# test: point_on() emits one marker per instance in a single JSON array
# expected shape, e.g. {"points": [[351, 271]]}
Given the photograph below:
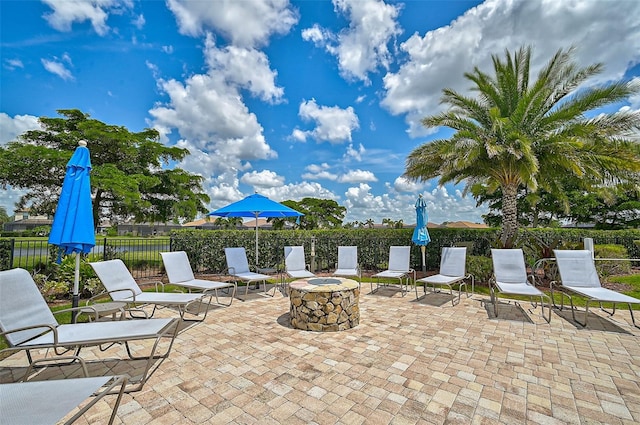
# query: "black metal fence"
{"points": [[141, 255]]}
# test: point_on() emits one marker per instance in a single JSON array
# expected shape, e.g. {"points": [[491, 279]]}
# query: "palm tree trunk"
{"points": [[509, 214]]}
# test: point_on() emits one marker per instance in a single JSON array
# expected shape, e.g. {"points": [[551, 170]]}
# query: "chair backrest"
{"points": [[577, 268], [22, 305], [508, 265], [588, 245], [453, 261], [294, 258], [177, 266], [348, 257], [237, 260], [115, 277], [399, 258]]}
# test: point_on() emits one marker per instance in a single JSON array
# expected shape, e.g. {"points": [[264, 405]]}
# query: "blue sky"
{"points": [[291, 99]]}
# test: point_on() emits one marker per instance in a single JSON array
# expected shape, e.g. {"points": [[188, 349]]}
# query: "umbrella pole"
{"points": [[257, 240], [424, 263], [76, 286]]}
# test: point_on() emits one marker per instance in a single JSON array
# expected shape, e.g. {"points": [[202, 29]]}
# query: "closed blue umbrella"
{"points": [[256, 206], [73, 228], [420, 233]]}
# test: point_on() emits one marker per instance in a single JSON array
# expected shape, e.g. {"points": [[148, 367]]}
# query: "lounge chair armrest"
{"points": [[133, 294], [96, 297], [50, 328]]}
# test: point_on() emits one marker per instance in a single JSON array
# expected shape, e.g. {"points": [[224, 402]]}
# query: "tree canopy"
{"points": [[318, 214], [128, 180], [520, 133]]}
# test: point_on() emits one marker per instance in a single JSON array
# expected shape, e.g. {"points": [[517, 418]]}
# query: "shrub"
{"points": [[92, 286], [480, 267], [609, 268], [55, 289]]}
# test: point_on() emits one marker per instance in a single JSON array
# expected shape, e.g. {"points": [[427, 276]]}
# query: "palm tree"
{"points": [[521, 134]]}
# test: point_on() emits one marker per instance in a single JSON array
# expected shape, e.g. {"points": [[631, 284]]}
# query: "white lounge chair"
{"points": [[180, 273], [578, 275], [510, 278], [28, 325], [121, 286], [399, 259], [348, 263], [47, 402], [452, 271], [294, 263], [238, 267]]}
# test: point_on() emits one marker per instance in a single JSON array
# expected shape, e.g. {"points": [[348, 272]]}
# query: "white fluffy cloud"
{"points": [[13, 64], [355, 153], [362, 47], [333, 124], [262, 179], [58, 66], [441, 205], [13, 127], [635, 100], [66, 13], [439, 58], [319, 172], [357, 176], [208, 110], [10, 129], [299, 191], [245, 24], [402, 184]]}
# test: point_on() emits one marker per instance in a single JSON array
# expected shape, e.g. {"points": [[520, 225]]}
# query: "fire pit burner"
{"points": [[324, 281]]}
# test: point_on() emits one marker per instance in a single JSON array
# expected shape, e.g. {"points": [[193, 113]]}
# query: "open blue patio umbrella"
{"points": [[420, 233], [256, 206], [73, 228]]}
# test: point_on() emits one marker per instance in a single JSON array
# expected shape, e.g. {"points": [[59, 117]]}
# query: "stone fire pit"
{"points": [[324, 304]]}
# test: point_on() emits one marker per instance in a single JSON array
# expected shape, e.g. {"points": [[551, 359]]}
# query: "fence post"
{"points": [[313, 255], [13, 246], [104, 249]]}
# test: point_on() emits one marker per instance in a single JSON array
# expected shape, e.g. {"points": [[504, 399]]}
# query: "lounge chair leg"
{"points": [[586, 313], [494, 299], [633, 320]]}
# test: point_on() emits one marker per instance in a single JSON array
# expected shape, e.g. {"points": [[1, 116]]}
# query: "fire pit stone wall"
{"points": [[324, 305]]}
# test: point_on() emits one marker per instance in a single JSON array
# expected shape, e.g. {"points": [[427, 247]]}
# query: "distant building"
{"points": [[146, 229], [465, 225], [23, 221]]}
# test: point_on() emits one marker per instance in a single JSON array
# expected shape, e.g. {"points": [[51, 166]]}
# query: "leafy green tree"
{"points": [[127, 178], [614, 207], [520, 133], [228, 222], [606, 207], [4, 218], [318, 214]]}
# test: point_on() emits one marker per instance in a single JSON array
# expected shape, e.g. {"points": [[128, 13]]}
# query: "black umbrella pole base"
{"points": [[74, 304]]}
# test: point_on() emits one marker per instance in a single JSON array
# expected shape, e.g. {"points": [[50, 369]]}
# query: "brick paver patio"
{"points": [[408, 362]]}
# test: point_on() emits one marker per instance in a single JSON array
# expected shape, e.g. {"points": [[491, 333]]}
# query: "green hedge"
{"points": [[206, 247]]}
